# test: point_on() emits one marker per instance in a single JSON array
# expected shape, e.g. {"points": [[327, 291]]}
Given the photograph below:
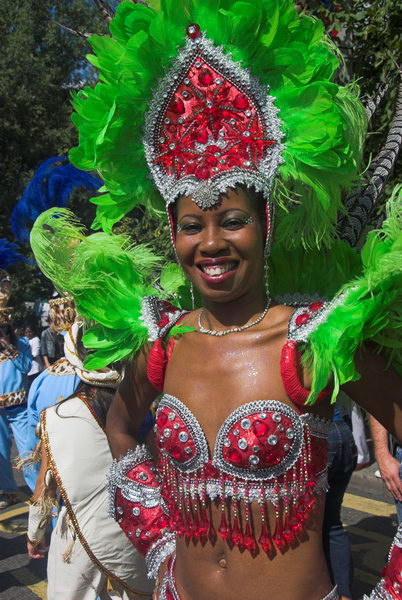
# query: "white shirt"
{"points": [[37, 365]]}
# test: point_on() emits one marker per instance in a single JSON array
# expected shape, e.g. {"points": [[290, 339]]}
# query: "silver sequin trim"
{"points": [[151, 312], [301, 333], [169, 186], [131, 490], [379, 593], [158, 552]]}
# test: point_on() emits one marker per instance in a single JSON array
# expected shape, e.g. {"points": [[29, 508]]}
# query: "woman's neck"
{"points": [[236, 313]]}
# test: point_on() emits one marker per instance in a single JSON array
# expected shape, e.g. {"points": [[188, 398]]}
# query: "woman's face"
{"points": [[28, 333], [222, 249]]}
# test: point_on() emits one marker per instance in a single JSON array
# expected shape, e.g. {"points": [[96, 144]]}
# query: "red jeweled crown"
{"points": [[210, 126]]}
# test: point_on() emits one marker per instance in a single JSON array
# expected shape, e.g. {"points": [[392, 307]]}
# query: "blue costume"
{"points": [[13, 413]]}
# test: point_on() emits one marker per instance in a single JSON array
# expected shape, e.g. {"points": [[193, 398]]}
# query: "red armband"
{"points": [[137, 506]]}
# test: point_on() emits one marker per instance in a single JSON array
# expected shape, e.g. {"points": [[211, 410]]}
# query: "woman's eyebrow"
{"points": [[198, 217]]}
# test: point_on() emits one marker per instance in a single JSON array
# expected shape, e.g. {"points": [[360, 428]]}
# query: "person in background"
{"points": [[388, 455], [37, 364], [342, 459], [15, 363], [50, 345]]}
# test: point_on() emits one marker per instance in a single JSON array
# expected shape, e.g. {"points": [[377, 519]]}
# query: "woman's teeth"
{"points": [[218, 270]]}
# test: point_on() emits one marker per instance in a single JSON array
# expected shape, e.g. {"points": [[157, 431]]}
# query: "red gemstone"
{"points": [[249, 540], [202, 172], [177, 106], [175, 452], [205, 77], [316, 305], [193, 31], [237, 535], [264, 540], [223, 527], [161, 419], [202, 136], [241, 102], [234, 456], [260, 428], [212, 534], [302, 319]]}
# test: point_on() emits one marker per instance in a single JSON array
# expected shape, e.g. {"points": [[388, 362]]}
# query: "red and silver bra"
{"points": [[264, 451]]}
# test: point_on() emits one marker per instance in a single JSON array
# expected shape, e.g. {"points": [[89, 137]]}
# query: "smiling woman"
{"points": [[231, 502]]}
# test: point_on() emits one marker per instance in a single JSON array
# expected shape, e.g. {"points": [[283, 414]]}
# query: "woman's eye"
{"points": [[234, 223], [190, 228]]}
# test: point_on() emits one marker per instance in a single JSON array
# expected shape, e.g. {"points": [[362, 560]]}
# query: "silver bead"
{"points": [[218, 81], [246, 133], [272, 440], [226, 442], [198, 64], [263, 415], [167, 121], [185, 94], [136, 511], [253, 460], [276, 417], [183, 436], [176, 426], [130, 534], [256, 448], [290, 434], [187, 81], [180, 120], [137, 532], [242, 444], [143, 476], [119, 510], [215, 169], [210, 104], [286, 447], [172, 146], [167, 432], [187, 450], [236, 432], [245, 423], [232, 121], [281, 428], [217, 154], [161, 139], [248, 113], [247, 163]]}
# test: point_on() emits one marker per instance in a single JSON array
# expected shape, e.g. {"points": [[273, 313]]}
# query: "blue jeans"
{"points": [[342, 458], [14, 422], [398, 456]]}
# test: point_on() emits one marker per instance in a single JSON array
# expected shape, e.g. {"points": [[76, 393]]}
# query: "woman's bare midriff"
{"points": [[217, 572]]}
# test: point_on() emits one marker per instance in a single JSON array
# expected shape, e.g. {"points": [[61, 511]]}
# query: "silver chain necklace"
{"points": [[203, 329]]}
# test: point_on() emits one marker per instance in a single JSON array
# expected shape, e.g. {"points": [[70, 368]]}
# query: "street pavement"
{"points": [[368, 513]]}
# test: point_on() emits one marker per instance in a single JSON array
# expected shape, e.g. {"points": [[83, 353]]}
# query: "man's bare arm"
{"points": [[388, 465]]}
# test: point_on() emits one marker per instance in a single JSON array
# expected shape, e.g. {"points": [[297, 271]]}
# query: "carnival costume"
{"points": [[15, 363], [206, 96], [86, 546]]}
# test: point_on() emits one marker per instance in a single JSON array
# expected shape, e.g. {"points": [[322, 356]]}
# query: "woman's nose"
{"points": [[212, 241]]}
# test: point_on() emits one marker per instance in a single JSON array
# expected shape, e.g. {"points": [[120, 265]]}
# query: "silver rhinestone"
{"points": [[246, 133], [180, 120], [130, 534], [286, 447], [210, 104], [172, 146], [256, 448], [167, 121], [161, 440], [222, 133], [176, 426], [136, 511], [232, 121], [281, 428], [248, 113], [119, 521], [236, 432], [263, 415], [185, 94], [253, 460], [226, 442], [272, 440], [218, 81], [276, 417], [137, 532], [242, 444], [215, 169], [186, 81], [217, 154], [165, 95], [148, 533], [245, 423], [247, 163], [198, 64], [119, 510], [183, 436], [187, 450], [290, 434], [143, 476], [222, 161], [161, 139], [155, 428], [167, 432]]}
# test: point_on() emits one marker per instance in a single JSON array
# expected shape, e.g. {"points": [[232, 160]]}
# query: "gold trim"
{"points": [[8, 354], [12, 399], [72, 516]]}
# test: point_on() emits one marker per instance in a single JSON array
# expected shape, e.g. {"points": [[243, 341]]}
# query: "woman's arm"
{"points": [[379, 391], [129, 408]]}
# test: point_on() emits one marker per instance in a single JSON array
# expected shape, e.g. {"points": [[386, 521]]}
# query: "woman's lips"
{"points": [[215, 273]]}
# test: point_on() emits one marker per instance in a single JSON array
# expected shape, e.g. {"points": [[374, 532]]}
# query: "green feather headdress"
{"points": [[323, 124]]}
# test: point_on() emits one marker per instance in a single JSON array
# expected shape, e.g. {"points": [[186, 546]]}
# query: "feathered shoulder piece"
{"points": [[367, 308], [109, 280]]}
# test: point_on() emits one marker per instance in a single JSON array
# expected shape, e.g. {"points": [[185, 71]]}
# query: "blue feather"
{"points": [[51, 185], [9, 254]]}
